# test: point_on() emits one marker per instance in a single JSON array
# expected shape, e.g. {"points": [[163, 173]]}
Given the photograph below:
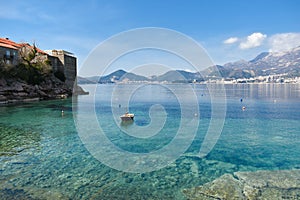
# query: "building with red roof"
{"points": [[62, 62], [9, 51]]}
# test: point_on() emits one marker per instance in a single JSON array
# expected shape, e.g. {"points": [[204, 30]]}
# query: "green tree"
{"points": [[34, 65]]}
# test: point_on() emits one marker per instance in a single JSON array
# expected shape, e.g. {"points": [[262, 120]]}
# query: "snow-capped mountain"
{"points": [[269, 63]]}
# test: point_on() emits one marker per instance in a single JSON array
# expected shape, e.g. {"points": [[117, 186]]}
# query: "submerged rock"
{"points": [[14, 194], [283, 184], [225, 187], [270, 184]]}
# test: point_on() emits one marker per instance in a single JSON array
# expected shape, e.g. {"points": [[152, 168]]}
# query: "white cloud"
{"points": [[278, 42], [284, 41], [231, 40], [253, 40]]}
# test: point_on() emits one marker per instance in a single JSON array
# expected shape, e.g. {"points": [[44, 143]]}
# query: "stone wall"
{"points": [[67, 62], [56, 64], [70, 70]]}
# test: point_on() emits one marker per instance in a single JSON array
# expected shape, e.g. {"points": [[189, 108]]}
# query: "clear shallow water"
{"points": [[42, 156]]}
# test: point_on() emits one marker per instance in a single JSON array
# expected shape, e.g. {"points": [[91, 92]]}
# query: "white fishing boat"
{"points": [[127, 117]]}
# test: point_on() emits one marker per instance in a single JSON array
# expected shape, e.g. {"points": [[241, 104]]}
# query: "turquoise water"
{"points": [[43, 157]]}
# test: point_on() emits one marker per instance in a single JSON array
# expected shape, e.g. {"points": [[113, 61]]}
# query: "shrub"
{"points": [[30, 75]]}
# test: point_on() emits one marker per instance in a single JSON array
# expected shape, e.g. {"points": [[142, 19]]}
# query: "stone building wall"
{"points": [[70, 69], [66, 62], [56, 64]]}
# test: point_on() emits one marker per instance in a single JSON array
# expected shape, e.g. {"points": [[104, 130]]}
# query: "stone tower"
{"points": [[67, 62]]}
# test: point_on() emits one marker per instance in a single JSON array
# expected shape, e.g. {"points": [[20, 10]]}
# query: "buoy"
{"points": [[241, 100], [243, 108]]}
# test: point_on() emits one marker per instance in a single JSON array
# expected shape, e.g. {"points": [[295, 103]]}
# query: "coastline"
{"points": [[17, 91], [197, 83], [13, 91]]}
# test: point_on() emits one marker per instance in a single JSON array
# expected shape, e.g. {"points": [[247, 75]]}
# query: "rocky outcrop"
{"points": [[250, 186], [13, 90]]}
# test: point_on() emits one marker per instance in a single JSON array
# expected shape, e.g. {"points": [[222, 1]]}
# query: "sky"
{"points": [[228, 30]]}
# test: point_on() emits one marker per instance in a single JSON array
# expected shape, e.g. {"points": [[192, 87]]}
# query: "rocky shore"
{"points": [[283, 184], [16, 91]]}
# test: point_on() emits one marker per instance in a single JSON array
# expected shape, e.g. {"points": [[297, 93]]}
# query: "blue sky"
{"points": [[229, 30]]}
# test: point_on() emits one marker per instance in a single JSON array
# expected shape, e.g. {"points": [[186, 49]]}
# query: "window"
{"points": [[7, 57]]}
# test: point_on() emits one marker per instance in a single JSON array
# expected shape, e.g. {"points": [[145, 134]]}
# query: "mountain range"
{"points": [[285, 63]]}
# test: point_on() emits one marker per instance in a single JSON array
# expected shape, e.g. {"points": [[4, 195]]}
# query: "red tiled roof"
{"points": [[8, 46], [5, 42]]}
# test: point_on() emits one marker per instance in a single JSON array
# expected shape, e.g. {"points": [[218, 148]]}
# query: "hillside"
{"points": [[272, 63], [285, 63], [120, 75]]}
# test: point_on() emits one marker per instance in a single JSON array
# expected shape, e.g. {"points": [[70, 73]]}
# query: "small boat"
{"points": [[127, 117]]}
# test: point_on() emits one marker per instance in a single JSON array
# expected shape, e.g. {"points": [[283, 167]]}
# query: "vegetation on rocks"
{"points": [[31, 79], [32, 68]]}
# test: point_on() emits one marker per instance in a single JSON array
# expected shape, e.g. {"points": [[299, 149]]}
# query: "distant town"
{"points": [[180, 76], [278, 78], [267, 67]]}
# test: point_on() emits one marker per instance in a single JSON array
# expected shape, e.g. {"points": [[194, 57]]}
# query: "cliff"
{"points": [[13, 90], [28, 73]]}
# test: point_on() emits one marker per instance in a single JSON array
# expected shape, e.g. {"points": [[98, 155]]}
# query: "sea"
{"points": [[182, 136]]}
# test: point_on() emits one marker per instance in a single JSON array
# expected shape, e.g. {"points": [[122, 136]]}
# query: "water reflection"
{"points": [[263, 91], [127, 123]]}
